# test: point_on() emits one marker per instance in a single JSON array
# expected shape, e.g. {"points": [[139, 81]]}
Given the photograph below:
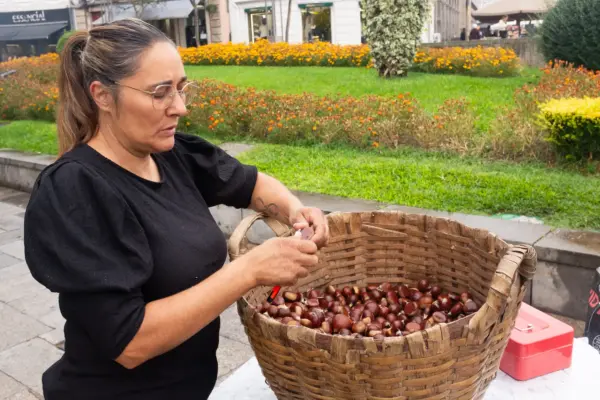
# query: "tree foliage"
{"points": [[571, 33], [393, 30]]}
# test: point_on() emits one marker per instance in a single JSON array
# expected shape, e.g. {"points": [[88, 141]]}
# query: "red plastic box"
{"points": [[538, 345]]}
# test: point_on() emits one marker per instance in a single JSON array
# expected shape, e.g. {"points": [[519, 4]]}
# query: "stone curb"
{"points": [[567, 258]]}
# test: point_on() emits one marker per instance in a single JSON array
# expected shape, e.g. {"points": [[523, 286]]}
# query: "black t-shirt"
{"points": [[109, 242]]}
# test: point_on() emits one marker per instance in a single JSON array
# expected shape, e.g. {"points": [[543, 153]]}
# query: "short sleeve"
{"points": [[82, 241], [221, 178]]}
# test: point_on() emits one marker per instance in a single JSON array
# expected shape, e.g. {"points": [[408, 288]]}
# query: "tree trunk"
{"points": [[196, 27], [287, 23]]}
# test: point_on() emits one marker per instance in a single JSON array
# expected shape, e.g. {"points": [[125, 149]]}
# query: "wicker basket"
{"points": [[448, 361]]}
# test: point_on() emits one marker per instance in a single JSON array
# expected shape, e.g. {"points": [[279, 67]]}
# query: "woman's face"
{"points": [[146, 123]]}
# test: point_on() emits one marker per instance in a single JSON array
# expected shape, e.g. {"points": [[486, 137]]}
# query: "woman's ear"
{"points": [[102, 96]]}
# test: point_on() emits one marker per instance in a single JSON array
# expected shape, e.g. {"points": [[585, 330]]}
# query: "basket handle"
{"points": [[239, 234], [520, 261]]}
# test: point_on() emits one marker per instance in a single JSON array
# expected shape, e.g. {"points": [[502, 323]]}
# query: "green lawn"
{"points": [[429, 180], [40, 137], [408, 177], [487, 95]]}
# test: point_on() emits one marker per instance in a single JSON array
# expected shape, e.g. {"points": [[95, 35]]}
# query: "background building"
{"points": [[335, 21], [29, 28]]}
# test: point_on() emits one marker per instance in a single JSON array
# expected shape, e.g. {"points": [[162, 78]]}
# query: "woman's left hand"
{"points": [[313, 217]]}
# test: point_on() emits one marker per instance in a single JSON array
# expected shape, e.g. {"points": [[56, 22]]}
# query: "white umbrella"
{"points": [[512, 7]]}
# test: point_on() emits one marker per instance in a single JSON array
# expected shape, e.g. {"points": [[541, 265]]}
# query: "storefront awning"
{"points": [[172, 9], [13, 33]]}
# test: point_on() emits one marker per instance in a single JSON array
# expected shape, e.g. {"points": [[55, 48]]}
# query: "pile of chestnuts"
{"points": [[376, 311]]}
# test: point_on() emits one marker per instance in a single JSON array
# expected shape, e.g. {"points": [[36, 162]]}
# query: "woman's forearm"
{"points": [[274, 199], [170, 321]]}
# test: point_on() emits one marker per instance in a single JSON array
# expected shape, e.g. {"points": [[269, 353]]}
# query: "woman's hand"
{"points": [[304, 217], [280, 261]]}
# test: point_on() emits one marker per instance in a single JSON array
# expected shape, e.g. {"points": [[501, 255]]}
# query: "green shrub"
{"points": [[573, 127], [571, 33], [393, 30], [62, 40]]}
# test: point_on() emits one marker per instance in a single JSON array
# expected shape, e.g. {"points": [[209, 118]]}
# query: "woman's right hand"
{"points": [[280, 261]]}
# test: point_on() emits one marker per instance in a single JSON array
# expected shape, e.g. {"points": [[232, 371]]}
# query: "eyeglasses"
{"points": [[163, 95]]}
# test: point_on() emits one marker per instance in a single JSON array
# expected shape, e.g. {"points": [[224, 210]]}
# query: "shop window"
{"points": [[260, 26], [316, 22]]}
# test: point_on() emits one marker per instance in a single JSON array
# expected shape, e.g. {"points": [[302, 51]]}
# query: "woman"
{"points": [[120, 225]]}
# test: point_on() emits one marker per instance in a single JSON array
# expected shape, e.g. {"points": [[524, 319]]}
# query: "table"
{"points": [[581, 381]]}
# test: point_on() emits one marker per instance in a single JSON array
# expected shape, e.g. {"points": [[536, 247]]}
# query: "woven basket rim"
{"points": [[460, 328]]}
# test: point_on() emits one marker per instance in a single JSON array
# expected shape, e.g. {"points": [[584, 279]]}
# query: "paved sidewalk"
{"points": [[31, 326]]}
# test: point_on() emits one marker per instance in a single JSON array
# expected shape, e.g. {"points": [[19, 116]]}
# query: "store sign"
{"points": [[34, 17]]}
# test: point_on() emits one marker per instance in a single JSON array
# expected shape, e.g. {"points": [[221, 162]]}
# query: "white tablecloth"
{"points": [[581, 381]]}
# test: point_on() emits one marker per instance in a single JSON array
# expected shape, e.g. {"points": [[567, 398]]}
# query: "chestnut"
{"points": [[388, 332], [411, 309], [425, 302], [359, 327], [445, 302], [417, 319], [380, 320], [284, 312], [326, 327], [355, 315], [391, 317], [356, 290], [337, 293], [416, 296], [291, 296], [464, 296], [340, 322], [435, 291], [363, 290], [273, 310], [395, 308], [391, 297], [404, 291], [374, 326], [439, 317], [306, 322], [367, 320], [287, 320], [314, 294], [376, 334], [315, 319], [385, 286], [435, 306], [342, 300], [454, 297], [368, 314], [347, 291], [383, 311], [423, 285], [398, 325], [403, 317], [312, 302], [456, 309], [345, 332], [384, 302], [365, 297], [330, 290], [470, 307], [372, 307], [323, 303], [353, 299], [278, 301], [338, 309], [296, 317], [412, 327], [297, 308], [293, 323], [376, 294]]}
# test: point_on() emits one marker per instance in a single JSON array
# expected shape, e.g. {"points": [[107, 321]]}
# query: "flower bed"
{"points": [[477, 61], [264, 53]]}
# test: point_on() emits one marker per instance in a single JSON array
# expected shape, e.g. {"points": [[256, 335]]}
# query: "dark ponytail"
{"points": [[77, 119], [106, 54]]}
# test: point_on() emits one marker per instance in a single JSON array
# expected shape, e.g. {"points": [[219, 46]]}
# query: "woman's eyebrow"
{"points": [[169, 82]]}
